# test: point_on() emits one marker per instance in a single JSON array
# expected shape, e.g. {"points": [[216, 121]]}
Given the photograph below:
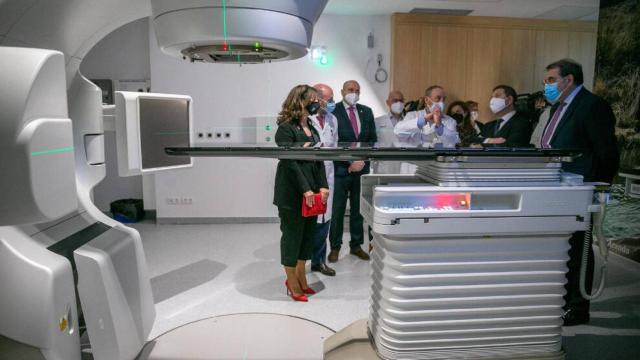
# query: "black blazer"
{"points": [[295, 177], [589, 124], [346, 135], [516, 132]]}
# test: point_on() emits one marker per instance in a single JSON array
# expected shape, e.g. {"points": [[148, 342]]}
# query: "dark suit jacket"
{"points": [[516, 132], [589, 124], [295, 177], [346, 135]]}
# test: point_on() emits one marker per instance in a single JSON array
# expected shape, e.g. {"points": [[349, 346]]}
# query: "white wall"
{"points": [[223, 94], [121, 55]]}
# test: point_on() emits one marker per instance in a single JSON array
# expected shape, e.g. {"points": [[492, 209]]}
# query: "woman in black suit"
{"points": [[297, 180]]}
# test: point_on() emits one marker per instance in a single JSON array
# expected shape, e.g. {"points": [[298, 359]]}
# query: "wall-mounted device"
{"points": [[147, 123]]}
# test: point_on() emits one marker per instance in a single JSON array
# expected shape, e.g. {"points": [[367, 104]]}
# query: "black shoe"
{"points": [[333, 255], [357, 251], [575, 317], [323, 269]]}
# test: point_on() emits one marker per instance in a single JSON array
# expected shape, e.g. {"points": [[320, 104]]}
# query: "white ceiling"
{"points": [[541, 9]]}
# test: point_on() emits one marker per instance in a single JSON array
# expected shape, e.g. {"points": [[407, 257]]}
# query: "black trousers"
{"points": [[346, 188], [296, 242], [573, 299]]}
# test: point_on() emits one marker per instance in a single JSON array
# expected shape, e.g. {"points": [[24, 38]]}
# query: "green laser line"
{"points": [[52, 151], [224, 21]]}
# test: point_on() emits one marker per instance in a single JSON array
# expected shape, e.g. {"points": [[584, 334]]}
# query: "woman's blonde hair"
{"points": [[293, 107]]}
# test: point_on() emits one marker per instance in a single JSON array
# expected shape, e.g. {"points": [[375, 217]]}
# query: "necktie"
{"points": [[321, 120], [354, 121], [551, 127], [496, 130]]}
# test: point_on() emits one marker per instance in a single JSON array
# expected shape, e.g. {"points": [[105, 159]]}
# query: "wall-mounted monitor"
{"points": [[146, 124]]}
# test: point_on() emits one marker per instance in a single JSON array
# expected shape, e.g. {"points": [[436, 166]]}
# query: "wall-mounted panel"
{"points": [[469, 55]]}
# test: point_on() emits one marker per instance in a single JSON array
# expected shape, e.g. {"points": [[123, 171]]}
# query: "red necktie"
{"points": [[354, 121], [321, 120], [551, 127]]}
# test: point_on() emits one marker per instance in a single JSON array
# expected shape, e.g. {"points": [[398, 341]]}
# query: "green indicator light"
{"points": [[257, 45], [52, 151], [267, 127]]}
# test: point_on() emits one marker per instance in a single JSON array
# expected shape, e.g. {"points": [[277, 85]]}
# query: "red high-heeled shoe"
{"points": [[309, 291], [302, 297]]}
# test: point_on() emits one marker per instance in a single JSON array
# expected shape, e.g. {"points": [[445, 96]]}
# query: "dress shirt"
{"points": [[567, 103]]}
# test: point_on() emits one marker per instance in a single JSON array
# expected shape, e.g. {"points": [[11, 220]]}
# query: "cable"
{"points": [[597, 221]]}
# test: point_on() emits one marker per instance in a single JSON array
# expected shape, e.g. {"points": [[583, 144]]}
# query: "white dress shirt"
{"points": [[386, 137], [543, 120]]}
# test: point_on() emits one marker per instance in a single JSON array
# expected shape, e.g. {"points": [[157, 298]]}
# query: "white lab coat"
{"points": [[328, 138], [408, 131], [386, 137]]}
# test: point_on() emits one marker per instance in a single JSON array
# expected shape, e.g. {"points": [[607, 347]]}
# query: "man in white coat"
{"points": [[431, 126], [385, 125], [327, 126]]}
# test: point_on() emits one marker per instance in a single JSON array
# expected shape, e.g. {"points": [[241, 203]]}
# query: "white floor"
{"points": [[200, 271]]}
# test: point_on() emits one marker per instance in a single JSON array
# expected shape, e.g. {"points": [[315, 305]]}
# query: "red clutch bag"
{"points": [[318, 207]]}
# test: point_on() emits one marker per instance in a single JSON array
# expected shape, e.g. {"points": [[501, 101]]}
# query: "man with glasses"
{"points": [[579, 120]]}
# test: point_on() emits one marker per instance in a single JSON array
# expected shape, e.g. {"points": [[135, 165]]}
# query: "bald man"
{"points": [[355, 124], [386, 136], [327, 126]]}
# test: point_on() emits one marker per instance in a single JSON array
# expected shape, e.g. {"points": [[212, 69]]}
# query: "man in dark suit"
{"points": [[355, 124], [579, 120], [510, 128]]}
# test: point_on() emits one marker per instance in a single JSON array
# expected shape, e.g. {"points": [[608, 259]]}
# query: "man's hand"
{"points": [[495, 140], [308, 197], [437, 116], [356, 166], [324, 193]]}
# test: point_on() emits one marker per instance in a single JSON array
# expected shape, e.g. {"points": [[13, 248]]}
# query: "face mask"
{"points": [[551, 92], [397, 107], [497, 104], [439, 104], [474, 115], [459, 117], [313, 108], [352, 98], [330, 107]]}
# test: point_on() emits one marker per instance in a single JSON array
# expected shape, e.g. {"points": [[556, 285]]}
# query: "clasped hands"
{"points": [[310, 200], [434, 116], [356, 166]]}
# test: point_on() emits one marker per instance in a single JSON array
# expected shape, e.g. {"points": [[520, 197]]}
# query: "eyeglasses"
{"points": [[551, 79]]}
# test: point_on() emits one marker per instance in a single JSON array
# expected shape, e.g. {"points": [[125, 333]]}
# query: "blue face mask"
{"points": [[330, 107], [551, 92]]}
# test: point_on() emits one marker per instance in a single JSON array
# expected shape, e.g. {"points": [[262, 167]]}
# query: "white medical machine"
{"points": [[65, 267], [469, 258], [471, 263], [466, 264]]}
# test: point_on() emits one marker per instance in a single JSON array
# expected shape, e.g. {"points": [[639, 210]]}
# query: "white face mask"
{"points": [[497, 104], [397, 107], [474, 115], [352, 98], [439, 104]]}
